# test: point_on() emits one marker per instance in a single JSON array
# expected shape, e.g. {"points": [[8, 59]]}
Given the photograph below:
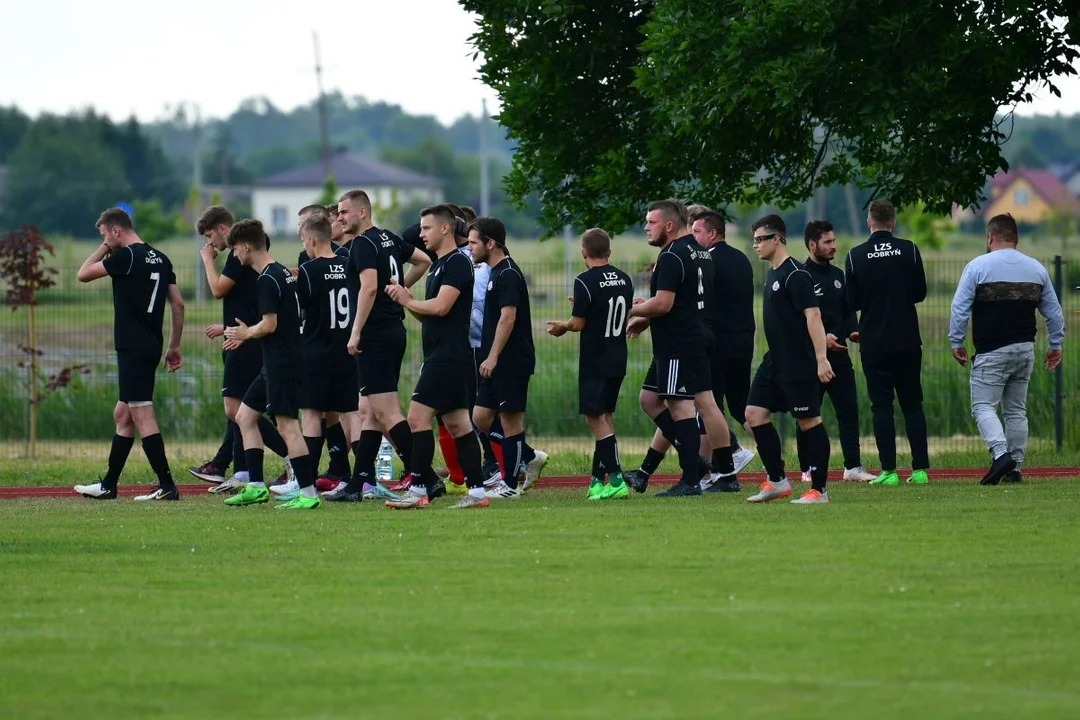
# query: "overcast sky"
{"points": [[131, 56]]}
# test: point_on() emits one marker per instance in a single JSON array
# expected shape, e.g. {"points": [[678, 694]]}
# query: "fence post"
{"points": [[1059, 413]]}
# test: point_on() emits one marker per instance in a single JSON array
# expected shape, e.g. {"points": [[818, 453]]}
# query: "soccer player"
{"points": [[603, 295], [377, 259], [509, 358], [276, 390], [142, 282], [679, 378], [885, 280], [1000, 292], [789, 375], [328, 386], [443, 386], [840, 326]]}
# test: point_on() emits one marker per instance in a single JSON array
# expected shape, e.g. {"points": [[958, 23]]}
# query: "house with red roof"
{"points": [[1030, 196]]}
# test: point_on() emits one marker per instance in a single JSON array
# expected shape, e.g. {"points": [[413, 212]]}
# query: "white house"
{"points": [[277, 199]]}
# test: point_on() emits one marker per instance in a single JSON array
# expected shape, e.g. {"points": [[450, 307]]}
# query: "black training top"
{"points": [[602, 297], [789, 291], [141, 277], [506, 288], [885, 279]]}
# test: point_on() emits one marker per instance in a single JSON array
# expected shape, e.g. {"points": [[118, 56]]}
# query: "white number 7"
{"points": [[156, 277]]}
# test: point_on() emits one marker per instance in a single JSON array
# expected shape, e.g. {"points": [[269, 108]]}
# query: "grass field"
{"points": [[948, 600]]}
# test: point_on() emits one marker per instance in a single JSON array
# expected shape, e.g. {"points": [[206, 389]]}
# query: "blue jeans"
{"points": [[1001, 377]]}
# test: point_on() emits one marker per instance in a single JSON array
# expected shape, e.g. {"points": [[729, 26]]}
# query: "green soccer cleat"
{"points": [[615, 492], [301, 502], [919, 477], [249, 496], [887, 477], [596, 490]]}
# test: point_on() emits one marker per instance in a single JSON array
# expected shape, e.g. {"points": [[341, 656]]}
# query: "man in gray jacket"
{"points": [[1000, 292]]}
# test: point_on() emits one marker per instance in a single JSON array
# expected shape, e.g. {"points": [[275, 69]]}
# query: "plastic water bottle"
{"points": [[384, 462]]}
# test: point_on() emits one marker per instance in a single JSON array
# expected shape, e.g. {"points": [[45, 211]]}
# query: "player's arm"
{"points": [[419, 263], [656, 306], [507, 318], [918, 279], [219, 284], [93, 268], [800, 288], [240, 333], [670, 273], [963, 302], [852, 285], [173, 360], [437, 306], [365, 300], [581, 299]]}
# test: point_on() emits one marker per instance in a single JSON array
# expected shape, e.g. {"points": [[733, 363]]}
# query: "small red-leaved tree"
{"points": [[22, 270]]}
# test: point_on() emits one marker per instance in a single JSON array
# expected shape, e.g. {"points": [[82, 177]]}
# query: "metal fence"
{"points": [[74, 330]]}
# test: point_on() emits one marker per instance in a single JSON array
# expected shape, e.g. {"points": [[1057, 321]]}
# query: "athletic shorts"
{"points": [[731, 383], [136, 371], [679, 378], [273, 395], [443, 386], [598, 396], [503, 393], [378, 365], [329, 390], [242, 366], [801, 398]]}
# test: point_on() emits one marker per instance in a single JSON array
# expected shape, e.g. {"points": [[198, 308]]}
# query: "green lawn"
{"points": [[949, 600]]}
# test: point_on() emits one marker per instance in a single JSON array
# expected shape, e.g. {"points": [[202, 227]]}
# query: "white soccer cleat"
{"points": [[95, 491], [501, 490], [285, 488], [858, 474], [812, 497], [741, 458], [533, 469], [230, 486], [771, 490]]}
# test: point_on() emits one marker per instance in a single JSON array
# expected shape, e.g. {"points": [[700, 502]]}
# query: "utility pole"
{"points": [[196, 174], [485, 190], [324, 134]]}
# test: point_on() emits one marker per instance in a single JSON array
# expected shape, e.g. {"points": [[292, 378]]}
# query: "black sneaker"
{"points": [[680, 489], [728, 484], [436, 488], [637, 480], [1012, 478], [344, 493], [209, 472], [1001, 467], [159, 493]]}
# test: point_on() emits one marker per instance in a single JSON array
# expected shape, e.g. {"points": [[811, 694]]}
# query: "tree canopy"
{"points": [[618, 103]]}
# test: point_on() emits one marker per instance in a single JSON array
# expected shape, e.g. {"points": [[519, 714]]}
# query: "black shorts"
{"points": [[680, 378], [329, 389], [731, 383], [242, 366], [273, 395], [382, 350], [503, 392], [443, 386], [136, 371], [801, 398], [598, 396]]}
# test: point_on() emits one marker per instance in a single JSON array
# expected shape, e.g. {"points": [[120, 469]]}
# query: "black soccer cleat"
{"points": [[729, 484], [1012, 478], [1001, 467], [680, 489], [436, 488], [343, 493], [637, 480]]}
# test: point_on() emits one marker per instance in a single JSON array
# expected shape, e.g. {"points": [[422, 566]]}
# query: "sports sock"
{"points": [[721, 461], [448, 446], [365, 451], [768, 445], [423, 452], [239, 460], [802, 450], [513, 449], [304, 469], [254, 457], [223, 458], [687, 433], [527, 452], [402, 437], [596, 462], [315, 448], [154, 447], [118, 455], [468, 452], [652, 460], [486, 446], [666, 423], [608, 451], [272, 438], [337, 447], [734, 440], [818, 450]]}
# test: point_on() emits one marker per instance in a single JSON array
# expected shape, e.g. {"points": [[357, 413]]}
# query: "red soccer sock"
{"points": [[496, 450], [449, 453]]}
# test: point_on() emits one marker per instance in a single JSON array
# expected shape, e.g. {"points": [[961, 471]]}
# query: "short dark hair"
{"points": [[250, 232], [115, 217], [882, 213], [444, 212], [596, 243], [490, 229], [357, 196], [694, 212], [332, 209], [314, 211], [468, 214], [1003, 227], [212, 217], [673, 211], [713, 221], [772, 223], [318, 226], [814, 230]]}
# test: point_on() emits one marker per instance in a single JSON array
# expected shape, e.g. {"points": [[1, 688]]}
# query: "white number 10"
{"points": [[616, 316]]}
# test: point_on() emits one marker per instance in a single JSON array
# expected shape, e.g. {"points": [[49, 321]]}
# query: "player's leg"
{"points": [[907, 369], [214, 469], [459, 424], [879, 387], [765, 395], [804, 398], [686, 431], [422, 444], [122, 442], [736, 386], [139, 397], [802, 451], [449, 452], [248, 418], [302, 460]]}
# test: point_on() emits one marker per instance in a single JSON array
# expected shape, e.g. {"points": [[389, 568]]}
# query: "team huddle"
{"points": [[312, 355]]}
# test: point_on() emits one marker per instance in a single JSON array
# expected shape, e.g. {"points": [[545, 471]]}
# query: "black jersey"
{"points": [[141, 277], [733, 302], [386, 253], [680, 333], [602, 297], [242, 301], [277, 294], [340, 250], [322, 288], [446, 338], [789, 291], [506, 288], [707, 274], [836, 314], [885, 280]]}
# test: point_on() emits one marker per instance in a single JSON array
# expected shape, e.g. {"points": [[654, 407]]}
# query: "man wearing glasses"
{"points": [[787, 379]]}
